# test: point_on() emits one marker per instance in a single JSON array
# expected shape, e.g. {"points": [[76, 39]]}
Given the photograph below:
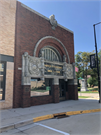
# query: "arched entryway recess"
{"points": [[54, 42]]}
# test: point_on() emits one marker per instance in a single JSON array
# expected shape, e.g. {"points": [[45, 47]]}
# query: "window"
{"points": [[2, 80], [51, 54], [40, 88]]}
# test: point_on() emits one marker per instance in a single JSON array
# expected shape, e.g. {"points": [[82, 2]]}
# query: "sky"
{"points": [[78, 16]]}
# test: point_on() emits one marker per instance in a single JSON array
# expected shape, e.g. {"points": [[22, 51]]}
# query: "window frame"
{"points": [[50, 92], [53, 51]]}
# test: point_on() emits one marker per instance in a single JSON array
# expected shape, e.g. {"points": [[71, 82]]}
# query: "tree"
{"points": [[82, 60], [92, 81]]}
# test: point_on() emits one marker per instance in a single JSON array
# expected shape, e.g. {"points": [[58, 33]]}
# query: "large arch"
{"points": [[51, 37]]}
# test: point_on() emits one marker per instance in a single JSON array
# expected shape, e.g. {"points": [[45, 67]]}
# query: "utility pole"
{"points": [[97, 62], [100, 79]]}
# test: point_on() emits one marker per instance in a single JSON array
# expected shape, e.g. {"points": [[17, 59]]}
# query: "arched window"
{"points": [[51, 54]]}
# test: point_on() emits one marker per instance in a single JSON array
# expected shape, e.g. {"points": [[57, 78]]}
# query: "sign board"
{"points": [[48, 88], [53, 69], [92, 61]]}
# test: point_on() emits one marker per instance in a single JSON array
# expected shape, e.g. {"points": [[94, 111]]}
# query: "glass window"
{"points": [[40, 88], [51, 54], [2, 80], [1, 67]]}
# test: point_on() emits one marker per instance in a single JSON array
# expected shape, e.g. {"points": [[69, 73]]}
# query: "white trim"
{"points": [[34, 11], [43, 16], [65, 28]]}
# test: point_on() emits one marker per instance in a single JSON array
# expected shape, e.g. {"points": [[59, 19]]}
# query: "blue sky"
{"points": [[78, 16]]}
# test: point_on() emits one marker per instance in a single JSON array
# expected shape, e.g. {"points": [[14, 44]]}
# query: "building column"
{"points": [[56, 90], [72, 89], [25, 96]]}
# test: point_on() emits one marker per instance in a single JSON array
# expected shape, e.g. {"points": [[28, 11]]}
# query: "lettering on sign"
{"points": [[53, 69]]}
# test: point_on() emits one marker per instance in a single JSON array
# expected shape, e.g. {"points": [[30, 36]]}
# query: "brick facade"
{"points": [[30, 28], [7, 44], [56, 93], [7, 26], [72, 92]]}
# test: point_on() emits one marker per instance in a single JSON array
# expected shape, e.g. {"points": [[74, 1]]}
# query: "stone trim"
{"points": [[56, 81], [72, 82], [36, 46], [43, 16]]}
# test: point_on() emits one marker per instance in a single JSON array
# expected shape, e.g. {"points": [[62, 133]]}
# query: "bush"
{"points": [[92, 81]]}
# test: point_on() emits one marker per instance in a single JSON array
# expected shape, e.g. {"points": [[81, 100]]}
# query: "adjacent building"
{"points": [[7, 46]]}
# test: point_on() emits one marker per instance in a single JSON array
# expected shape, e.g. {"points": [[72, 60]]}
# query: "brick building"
{"points": [[7, 43], [42, 53]]}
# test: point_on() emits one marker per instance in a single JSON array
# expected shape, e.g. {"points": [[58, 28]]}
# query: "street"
{"points": [[83, 124]]}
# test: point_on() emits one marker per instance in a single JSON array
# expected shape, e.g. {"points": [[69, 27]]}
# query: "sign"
{"points": [[76, 69], [92, 61], [48, 88], [53, 69]]}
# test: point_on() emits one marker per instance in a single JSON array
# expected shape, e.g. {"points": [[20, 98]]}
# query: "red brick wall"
{"points": [[56, 93], [39, 100], [67, 96], [72, 92], [30, 28], [25, 96]]}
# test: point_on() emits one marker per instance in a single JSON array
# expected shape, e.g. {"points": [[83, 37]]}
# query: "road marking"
{"points": [[52, 129]]}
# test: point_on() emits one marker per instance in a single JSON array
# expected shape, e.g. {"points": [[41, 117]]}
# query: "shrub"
{"points": [[92, 81]]}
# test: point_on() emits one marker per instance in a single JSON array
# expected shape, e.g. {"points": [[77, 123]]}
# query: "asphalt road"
{"points": [[83, 124]]}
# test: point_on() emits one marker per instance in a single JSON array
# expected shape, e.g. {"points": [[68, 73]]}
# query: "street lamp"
{"points": [[97, 61]]}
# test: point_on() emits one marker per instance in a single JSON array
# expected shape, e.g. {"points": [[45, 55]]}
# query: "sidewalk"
{"points": [[90, 95], [25, 115]]}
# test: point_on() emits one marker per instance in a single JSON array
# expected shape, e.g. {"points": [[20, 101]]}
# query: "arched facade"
{"points": [[51, 41], [44, 65], [51, 54]]}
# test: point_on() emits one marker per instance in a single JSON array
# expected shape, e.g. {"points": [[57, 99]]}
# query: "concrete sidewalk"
{"points": [[12, 118]]}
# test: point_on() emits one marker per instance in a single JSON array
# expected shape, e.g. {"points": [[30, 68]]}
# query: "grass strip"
{"points": [[84, 97]]}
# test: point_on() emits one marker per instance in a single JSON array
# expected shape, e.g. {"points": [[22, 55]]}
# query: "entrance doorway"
{"points": [[62, 89]]}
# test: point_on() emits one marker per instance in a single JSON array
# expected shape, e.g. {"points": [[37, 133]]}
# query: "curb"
{"points": [[16, 125], [50, 116], [82, 112], [40, 118]]}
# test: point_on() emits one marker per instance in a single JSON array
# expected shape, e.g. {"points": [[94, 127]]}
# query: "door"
{"points": [[62, 90]]}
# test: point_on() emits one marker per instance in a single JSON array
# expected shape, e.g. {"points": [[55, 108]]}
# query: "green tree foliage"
{"points": [[82, 61], [92, 81]]}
